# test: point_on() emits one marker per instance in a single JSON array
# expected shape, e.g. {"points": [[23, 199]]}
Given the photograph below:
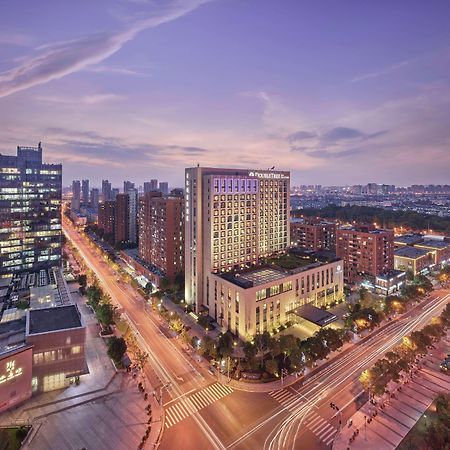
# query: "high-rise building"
{"points": [[114, 193], [233, 217], [106, 190], [313, 235], [85, 192], [150, 186], [95, 197], [30, 214], [127, 185], [365, 251], [122, 219], [161, 234], [107, 219], [164, 188], [76, 195], [132, 215]]}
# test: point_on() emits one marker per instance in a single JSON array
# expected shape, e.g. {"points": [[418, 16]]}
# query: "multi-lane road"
{"points": [[202, 413]]}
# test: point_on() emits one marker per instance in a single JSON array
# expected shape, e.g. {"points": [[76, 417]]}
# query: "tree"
{"points": [[208, 347], [225, 345], [262, 342], [105, 315], [165, 283], [94, 294], [116, 348], [420, 341], [271, 366], [288, 346]]}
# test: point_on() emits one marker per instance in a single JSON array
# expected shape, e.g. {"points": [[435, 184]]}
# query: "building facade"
{"points": [[122, 219], [76, 195], [85, 192], [30, 213], [106, 190], [94, 199], [262, 299], [233, 217], [107, 219], [365, 251], [161, 239], [313, 236]]}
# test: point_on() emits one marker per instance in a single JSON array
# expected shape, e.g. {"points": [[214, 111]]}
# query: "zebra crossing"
{"points": [[197, 401], [323, 430]]}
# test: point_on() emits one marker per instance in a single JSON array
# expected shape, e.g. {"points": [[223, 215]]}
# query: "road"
{"points": [[201, 413]]}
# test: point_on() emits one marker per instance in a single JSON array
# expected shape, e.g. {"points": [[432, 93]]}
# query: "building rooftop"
{"points": [[434, 244], [318, 316], [410, 252], [390, 275], [47, 320], [12, 335], [408, 239]]}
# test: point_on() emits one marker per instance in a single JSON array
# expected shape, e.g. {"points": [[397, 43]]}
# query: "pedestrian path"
{"points": [[286, 397], [195, 402], [323, 430]]}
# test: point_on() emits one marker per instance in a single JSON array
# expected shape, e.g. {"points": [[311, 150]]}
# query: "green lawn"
{"points": [[9, 439]]}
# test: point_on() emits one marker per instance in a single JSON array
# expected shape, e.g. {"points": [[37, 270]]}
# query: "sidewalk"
{"points": [[387, 426]]}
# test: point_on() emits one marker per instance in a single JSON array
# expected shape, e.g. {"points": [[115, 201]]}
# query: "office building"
{"points": [[164, 188], [30, 216], [161, 243], [106, 190], [366, 251], [313, 235], [233, 217], [122, 219], [76, 196], [95, 198], [85, 192]]}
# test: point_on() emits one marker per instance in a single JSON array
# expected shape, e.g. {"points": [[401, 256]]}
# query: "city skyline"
{"points": [[338, 97]]}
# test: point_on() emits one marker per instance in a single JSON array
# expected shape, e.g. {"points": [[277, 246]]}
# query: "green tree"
{"points": [[271, 366], [225, 345], [116, 348], [165, 283], [105, 315], [208, 347]]}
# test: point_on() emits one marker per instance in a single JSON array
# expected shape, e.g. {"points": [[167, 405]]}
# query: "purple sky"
{"points": [[337, 92]]}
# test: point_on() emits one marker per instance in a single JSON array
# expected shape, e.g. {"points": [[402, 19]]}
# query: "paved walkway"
{"points": [[389, 425]]}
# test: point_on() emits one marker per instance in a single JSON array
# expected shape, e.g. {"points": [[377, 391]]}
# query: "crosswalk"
{"points": [[323, 430], [197, 401]]}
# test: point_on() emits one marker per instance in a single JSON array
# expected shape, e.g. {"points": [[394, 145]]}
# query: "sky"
{"points": [[337, 92]]}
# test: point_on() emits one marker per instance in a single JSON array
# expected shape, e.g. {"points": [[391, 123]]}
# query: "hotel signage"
{"points": [[269, 175]]}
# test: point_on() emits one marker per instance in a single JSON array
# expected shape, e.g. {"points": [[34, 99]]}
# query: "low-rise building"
{"points": [[262, 298], [313, 235], [413, 259]]}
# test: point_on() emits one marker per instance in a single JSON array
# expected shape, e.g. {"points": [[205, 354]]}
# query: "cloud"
{"points": [[381, 72], [301, 136], [57, 60], [92, 99], [17, 39], [116, 70]]}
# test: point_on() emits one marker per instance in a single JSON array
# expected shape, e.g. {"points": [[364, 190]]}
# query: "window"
{"points": [[76, 349], [274, 290], [261, 295]]}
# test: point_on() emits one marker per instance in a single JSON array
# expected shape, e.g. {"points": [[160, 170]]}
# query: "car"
{"points": [[445, 365]]}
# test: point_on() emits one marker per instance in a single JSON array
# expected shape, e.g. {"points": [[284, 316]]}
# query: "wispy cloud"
{"points": [[378, 73], [18, 39], [93, 99], [57, 60], [115, 70]]}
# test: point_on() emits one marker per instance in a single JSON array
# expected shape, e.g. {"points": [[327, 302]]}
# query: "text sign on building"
{"points": [[11, 372], [272, 175]]}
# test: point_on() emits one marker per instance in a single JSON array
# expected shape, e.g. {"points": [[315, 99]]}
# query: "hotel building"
{"points": [[235, 219], [30, 213]]}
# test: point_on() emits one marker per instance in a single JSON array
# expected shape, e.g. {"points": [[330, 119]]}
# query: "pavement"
{"points": [[385, 427]]}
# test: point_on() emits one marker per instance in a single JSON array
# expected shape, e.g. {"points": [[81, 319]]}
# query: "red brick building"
{"points": [[107, 218], [313, 235], [122, 218], [365, 251], [161, 234]]}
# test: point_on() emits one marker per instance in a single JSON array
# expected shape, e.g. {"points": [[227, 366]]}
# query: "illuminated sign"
{"points": [[272, 175], [11, 372]]}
